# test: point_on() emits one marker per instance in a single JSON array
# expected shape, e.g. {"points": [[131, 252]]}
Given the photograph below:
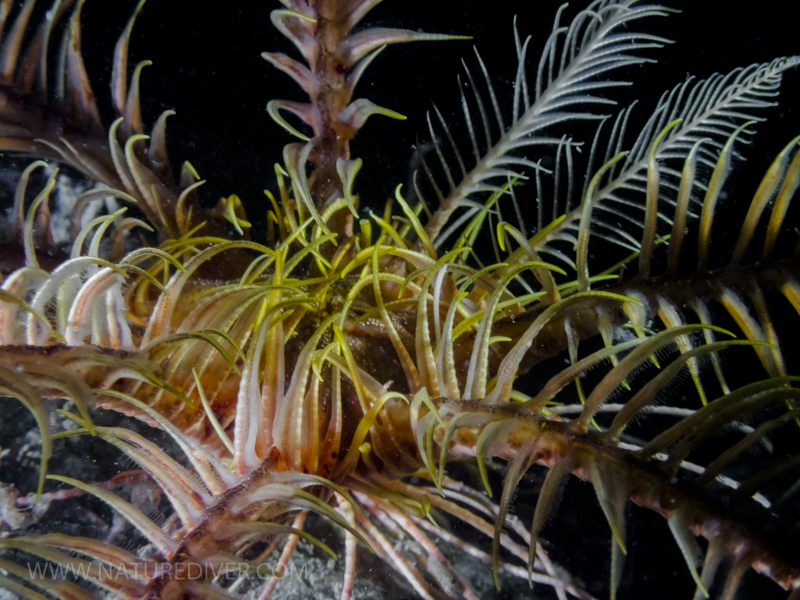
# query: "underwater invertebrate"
{"points": [[344, 362]]}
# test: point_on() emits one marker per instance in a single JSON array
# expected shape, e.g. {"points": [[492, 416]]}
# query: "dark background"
{"points": [[207, 67]]}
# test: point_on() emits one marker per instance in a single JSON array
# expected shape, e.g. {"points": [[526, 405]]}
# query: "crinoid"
{"points": [[552, 298]]}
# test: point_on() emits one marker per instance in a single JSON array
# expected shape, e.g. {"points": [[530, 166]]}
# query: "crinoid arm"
{"points": [[43, 67], [348, 384]]}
